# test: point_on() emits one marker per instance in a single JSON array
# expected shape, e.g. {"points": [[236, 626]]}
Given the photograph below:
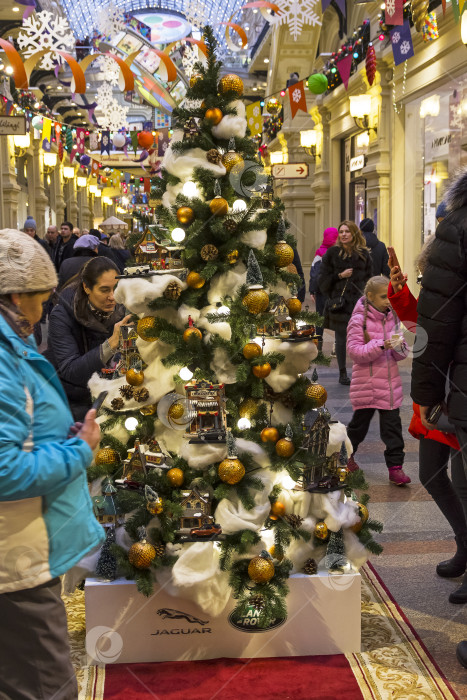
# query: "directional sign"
{"points": [[290, 171]]}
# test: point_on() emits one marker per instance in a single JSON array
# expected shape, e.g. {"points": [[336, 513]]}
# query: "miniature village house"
{"points": [[313, 450], [105, 506], [207, 410], [129, 353], [162, 256], [282, 324], [196, 509], [143, 457]]}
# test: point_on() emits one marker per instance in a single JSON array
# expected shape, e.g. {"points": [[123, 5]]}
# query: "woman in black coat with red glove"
{"points": [[345, 269]]}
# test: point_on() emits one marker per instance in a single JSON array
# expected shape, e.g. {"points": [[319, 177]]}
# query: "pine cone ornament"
{"points": [[160, 550], [141, 395], [126, 391], [284, 397], [370, 64], [294, 521], [213, 156], [310, 567], [257, 601], [209, 252], [116, 404], [172, 291], [230, 225]]}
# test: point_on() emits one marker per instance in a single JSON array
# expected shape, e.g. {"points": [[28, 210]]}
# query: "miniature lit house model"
{"points": [[141, 458], [129, 353], [318, 467], [282, 324], [206, 406], [162, 256], [105, 507], [196, 509]]}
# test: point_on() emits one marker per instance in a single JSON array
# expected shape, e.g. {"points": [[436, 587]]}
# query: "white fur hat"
{"points": [[24, 264]]}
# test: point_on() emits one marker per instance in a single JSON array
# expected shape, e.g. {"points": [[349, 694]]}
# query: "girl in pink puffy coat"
{"points": [[375, 345]]}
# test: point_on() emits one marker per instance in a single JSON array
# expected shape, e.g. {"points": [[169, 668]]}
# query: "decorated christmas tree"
{"points": [[214, 458]]}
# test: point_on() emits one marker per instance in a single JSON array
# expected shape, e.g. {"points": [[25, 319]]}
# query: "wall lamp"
{"points": [[308, 141], [360, 110], [50, 161], [68, 172], [22, 143], [276, 157]]}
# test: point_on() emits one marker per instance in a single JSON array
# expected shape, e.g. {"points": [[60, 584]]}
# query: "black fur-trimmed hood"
{"points": [[456, 196]]}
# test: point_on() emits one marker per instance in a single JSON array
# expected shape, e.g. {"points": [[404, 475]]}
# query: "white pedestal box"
{"points": [[122, 626]]}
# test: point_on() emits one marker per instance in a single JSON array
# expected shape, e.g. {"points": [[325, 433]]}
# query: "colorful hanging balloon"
{"points": [[317, 83]]}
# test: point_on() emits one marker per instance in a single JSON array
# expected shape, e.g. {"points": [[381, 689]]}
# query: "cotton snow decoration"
{"points": [[232, 124], [255, 239]]}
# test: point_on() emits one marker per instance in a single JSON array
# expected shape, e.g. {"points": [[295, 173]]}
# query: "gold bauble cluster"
{"points": [[294, 306], [284, 254], [190, 332], [219, 206], [175, 476], [231, 83], [256, 301], [134, 377], [141, 554], [106, 455], [176, 410], [213, 115], [194, 280], [364, 515], [260, 569], [317, 394], [270, 434], [231, 470], [262, 371], [145, 328], [285, 447], [252, 350], [185, 215], [273, 106], [231, 160]]}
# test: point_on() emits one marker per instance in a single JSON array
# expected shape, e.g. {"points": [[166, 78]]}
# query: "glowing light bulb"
{"points": [[190, 189], [131, 423], [178, 234], [239, 205], [185, 374], [243, 424], [288, 483]]}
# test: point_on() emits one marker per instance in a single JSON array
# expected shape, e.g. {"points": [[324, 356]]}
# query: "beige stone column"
{"points": [[71, 201], [321, 180], [38, 202], [9, 188], [58, 200]]}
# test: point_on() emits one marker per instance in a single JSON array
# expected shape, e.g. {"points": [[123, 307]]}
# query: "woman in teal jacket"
{"points": [[46, 518]]}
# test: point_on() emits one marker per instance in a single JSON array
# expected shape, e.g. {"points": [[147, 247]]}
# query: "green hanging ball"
{"points": [[317, 83]]}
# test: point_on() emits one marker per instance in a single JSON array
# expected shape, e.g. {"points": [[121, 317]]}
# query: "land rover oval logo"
{"points": [[249, 622]]}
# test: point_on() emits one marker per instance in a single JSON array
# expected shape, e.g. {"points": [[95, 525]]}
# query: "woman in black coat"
{"points": [[345, 269], [84, 330]]}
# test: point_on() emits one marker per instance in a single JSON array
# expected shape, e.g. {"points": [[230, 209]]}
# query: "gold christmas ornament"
{"points": [[260, 569], [284, 254], [176, 411], [191, 331], [172, 291], [106, 455], [232, 257], [194, 280], [231, 83], [141, 554], [175, 476], [273, 106], [317, 394], [231, 470], [155, 507], [256, 300], [148, 410], [278, 509], [294, 306], [262, 371], [321, 530], [342, 473], [270, 434], [251, 350], [146, 327], [185, 215], [134, 377], [219, 206], [419, 9], [195, 78], [285, 447], [247, 408], [209, 252], [213, 115], [232, 160], [364, 515]]}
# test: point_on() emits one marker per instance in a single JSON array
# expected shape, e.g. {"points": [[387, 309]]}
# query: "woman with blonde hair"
{"points": [[345, 269], [120, 253]]}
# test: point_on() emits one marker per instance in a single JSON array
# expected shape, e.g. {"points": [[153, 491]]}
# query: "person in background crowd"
{"points": [[441, 212], [378, 251], [294, 78], [85, 248], [345, 269], [84, 330], [375, 346], [76, 232], [442, 319], [117, 246], [104, 238], [95, 232], [47, 523], [65, 243], [51, 237], [329, 239], [84, 231], [30, 228]]}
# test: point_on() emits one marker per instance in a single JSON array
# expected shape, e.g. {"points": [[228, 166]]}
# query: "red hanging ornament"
{"points": [[370, 64], [60, 151]]}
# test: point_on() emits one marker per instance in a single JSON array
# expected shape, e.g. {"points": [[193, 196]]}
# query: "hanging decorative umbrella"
{"points": [[113, 224]]}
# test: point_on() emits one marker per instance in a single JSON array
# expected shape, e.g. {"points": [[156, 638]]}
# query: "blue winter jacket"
{"points": [[46, 518]]}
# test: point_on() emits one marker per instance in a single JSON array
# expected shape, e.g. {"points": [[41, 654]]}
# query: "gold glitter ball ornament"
{"points": [[176, 410], [141, 554], [231, 470], [317, 394], [256, 300], [175, 476], [155, 507], [294, 305], [262, 371], [219, 206], [251, 350], [284, 254], [194, 280], [260, 570], [191, 331], [232, 160], [231, 83], [148, 410], [342, 473], [146, 327], [185, 215], [364, 515], [209, 252], [247, 408], [321, 530], [106, 455], [213, 115], [195, 78], [134, 377], [285, 447], [270, 434], [273, 106], [232, 257]]}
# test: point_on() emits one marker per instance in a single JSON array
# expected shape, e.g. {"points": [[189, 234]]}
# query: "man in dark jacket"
{"points": [[65, 243], [379, 254], [84, 249], [442, 321]]}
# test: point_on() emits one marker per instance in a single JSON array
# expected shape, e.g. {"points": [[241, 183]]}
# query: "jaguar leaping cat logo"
{"points": [[172, 614]]}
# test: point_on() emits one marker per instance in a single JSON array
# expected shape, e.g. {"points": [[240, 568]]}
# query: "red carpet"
{"points": [[297, 678]]}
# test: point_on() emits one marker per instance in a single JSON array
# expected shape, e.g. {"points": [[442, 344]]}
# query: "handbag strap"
{"points": [[345, 287]]}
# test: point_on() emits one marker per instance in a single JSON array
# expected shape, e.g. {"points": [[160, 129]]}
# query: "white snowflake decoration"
{"points": [[109, 69], [295, 14], [43, 30], [190, 103], [189, 58], [396, 37], [257, 111], [197, 14], [390, 8], [405, 47], [110, 20], [296, 95], [114, 117], [104, 96]]}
